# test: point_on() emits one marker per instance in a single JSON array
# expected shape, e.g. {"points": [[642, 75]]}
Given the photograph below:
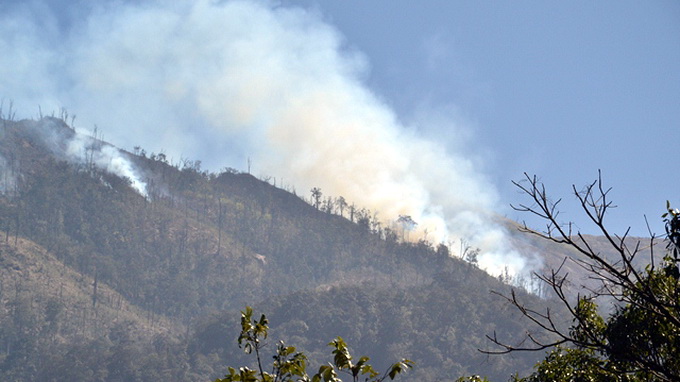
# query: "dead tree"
{"points": [[617, 278]]}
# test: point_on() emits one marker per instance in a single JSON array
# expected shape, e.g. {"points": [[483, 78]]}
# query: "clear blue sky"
{"points": [[557, 89]]}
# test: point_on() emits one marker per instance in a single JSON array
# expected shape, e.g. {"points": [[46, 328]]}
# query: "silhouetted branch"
{"points": [[619, 279]]}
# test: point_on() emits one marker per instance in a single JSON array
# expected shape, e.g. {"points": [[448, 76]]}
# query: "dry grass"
{"points": [[32, 278]]}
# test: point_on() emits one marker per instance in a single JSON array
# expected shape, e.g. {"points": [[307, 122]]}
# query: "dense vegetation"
{"points": [[101, 283]]}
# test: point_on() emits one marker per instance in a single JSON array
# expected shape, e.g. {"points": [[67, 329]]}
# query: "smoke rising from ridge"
{"points": [[220, 81], [85, 150], [105, 157]]}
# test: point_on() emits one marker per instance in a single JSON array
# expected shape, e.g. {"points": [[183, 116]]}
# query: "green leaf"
{"points": [[368, 369], [288, 350], [399, 367]]}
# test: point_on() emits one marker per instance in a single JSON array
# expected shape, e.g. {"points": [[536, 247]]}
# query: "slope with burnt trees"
{"points": [[109, 284]]}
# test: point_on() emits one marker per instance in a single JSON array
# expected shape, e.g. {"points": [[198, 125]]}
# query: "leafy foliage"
{"points": [[290, 365]]}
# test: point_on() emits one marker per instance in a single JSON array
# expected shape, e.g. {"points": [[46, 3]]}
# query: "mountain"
{"points": [[120, 266]]}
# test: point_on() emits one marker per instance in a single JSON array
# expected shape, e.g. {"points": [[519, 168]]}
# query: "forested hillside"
{"points": [[105, 280]]}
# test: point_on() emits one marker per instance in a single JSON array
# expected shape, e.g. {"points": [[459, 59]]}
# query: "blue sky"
{"points": [[556, 89]]}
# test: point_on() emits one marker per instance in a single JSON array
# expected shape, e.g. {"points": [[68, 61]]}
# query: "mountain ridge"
{"points": [[196, 246]]}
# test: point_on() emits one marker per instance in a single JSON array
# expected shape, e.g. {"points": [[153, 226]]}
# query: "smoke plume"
{"points": [[106, 157], [222, 81], [85, 150]]}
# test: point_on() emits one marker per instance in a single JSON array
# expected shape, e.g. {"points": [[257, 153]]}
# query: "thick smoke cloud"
{"points": [[222, 81]]}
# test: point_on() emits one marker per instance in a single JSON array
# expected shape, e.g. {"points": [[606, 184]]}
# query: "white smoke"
{"points": [[219, 81], [112, 161], [83, 148]]}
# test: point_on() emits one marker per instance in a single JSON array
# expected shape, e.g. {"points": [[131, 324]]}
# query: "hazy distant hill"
{"points": [[121, 266]]}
